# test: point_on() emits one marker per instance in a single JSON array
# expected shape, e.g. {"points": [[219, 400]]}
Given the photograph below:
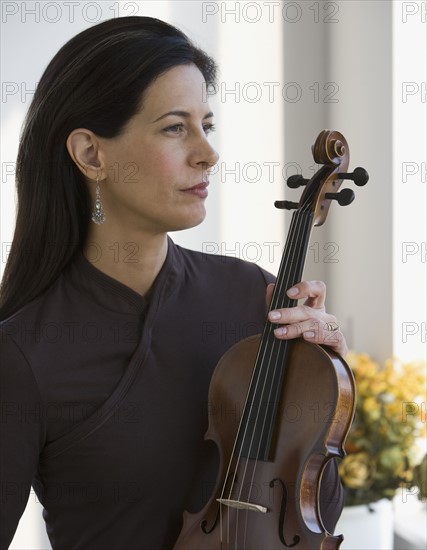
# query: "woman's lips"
{"points": [[200, 190]]}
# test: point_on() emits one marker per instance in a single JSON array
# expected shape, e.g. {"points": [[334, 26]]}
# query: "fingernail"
{"points": [[292, 291], [309, 334], [280, 331], [274, 315]]}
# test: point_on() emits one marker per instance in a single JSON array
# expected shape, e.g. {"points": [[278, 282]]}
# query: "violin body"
{"points": [[308, 433]]}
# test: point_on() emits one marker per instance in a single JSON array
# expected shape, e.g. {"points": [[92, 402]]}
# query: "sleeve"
{"points": [[22, 432], [267, 276]]}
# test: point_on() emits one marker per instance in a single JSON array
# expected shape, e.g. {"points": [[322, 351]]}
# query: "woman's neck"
{"points": [[133, 262]]}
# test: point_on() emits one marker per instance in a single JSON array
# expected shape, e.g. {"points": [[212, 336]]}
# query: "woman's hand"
{"points": [[309, 320]]}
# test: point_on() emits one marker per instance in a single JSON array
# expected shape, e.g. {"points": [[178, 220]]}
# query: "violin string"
{"points": [[233, 455], [252, 383], [287, 279], [298, 234], [295, 229], [245, 468], [278, 291], [239, 453], [285, 282], [269, 355], [269, 350], [273, 361], [261, 358]]}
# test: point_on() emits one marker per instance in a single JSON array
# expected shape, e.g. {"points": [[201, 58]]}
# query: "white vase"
{"points": [[367, 526]]}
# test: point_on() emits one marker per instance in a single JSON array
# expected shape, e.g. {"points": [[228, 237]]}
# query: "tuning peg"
{"points": [[287, 205], [296, 181], [360, 176], [344, 197]]}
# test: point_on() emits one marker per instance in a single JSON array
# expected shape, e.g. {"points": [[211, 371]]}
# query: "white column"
{"points": [[360, 61], [409, 179], [378, 57]]}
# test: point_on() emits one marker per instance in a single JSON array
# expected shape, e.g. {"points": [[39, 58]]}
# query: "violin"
{"points": [[297, 403]]}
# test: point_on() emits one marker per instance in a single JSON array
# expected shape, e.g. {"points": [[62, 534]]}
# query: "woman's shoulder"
{"points": [[33, 308], [225, 267], [24, 325]]}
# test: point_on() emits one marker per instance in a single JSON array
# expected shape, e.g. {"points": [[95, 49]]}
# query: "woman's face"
{"points": [[158, 168]]}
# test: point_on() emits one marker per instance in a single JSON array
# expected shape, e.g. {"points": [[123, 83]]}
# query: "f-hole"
{"points": [[231, 479], [281, 526]]}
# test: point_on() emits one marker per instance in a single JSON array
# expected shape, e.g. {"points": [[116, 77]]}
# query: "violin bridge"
{"points": [[242, 505]]}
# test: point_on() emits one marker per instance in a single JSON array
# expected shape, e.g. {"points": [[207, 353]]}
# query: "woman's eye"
{"points": [[208, 128], [175, 129], [180, 128]]}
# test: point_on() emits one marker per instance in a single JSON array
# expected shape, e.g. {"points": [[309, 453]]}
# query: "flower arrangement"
{"points": [[383, 444]]}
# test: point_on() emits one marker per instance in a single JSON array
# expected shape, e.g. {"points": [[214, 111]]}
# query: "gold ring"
{"points": [[333, 327]]}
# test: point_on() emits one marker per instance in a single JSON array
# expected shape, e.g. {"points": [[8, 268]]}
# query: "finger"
{"points": [[332, 339], [312, 327], [316, 331], [313, 291], [299, 314]]}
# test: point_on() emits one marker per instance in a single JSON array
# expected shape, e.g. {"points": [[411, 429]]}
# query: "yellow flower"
{"points": [[357, 470], [372, 408], [390, 421], [391, 461]]}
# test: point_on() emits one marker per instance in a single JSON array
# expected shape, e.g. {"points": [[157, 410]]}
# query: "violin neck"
{"points": [[256, 428], [293, 259]]}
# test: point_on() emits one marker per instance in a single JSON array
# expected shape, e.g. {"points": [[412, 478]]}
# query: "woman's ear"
{"points": [[83, 147]]}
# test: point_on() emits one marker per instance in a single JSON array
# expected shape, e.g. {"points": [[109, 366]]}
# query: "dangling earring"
{"points": [[98, 215]]}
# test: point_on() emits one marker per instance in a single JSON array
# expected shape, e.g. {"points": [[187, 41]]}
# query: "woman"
{"points": [[109, 331]]}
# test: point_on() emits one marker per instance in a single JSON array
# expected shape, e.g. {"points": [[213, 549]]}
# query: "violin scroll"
{"points": [[331, 147], [332, 152]]}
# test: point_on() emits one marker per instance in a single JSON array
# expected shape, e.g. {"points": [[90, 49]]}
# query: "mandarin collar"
{"points": [[111, 294]]}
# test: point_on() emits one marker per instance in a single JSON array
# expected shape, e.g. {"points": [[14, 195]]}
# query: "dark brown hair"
{"points": [[97, 81]]}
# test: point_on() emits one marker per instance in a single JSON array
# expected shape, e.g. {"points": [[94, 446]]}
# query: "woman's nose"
{"points": [[204, 154]]}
